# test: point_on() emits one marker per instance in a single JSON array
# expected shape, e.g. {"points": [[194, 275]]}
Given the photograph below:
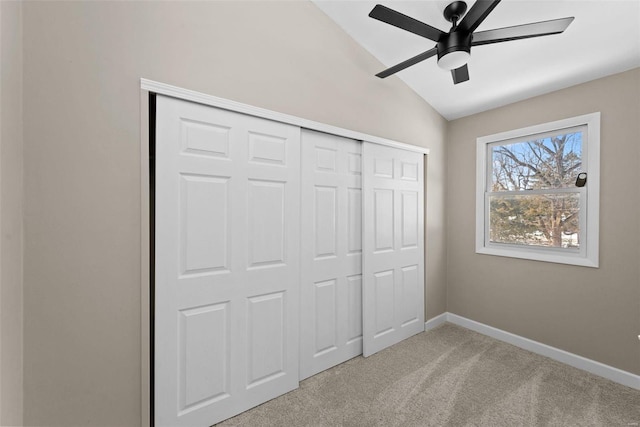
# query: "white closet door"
{"points": [[227, 262], [331, 285], [393, 274]]}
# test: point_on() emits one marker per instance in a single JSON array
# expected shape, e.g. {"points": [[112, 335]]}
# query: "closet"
{"points": [[280, 251]]}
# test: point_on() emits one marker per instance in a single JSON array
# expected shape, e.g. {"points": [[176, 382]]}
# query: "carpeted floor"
{"points": [[450, 376]]}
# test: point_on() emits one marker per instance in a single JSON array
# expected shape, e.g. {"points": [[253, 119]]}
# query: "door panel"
{"points": [[326, 232], [266, 208], [204, 227], [393, 251], [265, 343], [325, 314], [204, 355], [331, 290], [384, 302], [383, 213], [354, 301], [410, 223], [354, 224], [411, 293], [227, 262]]}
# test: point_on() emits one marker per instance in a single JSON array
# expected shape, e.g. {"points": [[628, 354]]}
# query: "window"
{"points": [[528, 204]]}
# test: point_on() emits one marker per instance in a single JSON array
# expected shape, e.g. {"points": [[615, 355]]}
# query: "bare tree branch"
{"points": [[524, 165]]}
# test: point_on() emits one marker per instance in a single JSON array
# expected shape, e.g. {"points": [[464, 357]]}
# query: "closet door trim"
{"points": [[214, 101]]}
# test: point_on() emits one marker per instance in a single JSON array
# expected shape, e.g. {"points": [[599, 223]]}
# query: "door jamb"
{"points": [[146, 336]]}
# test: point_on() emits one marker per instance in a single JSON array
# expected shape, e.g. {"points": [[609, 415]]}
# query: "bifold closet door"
{"points": [[393, 246], [331, 252], [226, 262]]}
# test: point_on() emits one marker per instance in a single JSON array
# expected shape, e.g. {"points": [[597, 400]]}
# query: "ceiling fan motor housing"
{"points": [[453, 42]]}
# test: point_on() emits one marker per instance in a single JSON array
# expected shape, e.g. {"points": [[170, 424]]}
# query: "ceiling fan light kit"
{"points": [[454, 59], [453, 49]]}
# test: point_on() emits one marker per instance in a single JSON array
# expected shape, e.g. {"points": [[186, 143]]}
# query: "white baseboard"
{"points": [[609, 372], [434, 322]]}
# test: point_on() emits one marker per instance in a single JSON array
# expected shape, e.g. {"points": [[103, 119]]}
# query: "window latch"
{"points": [[581, 180]]}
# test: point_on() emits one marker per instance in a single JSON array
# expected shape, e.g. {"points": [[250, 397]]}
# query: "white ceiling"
{"points": [[603, 39]]}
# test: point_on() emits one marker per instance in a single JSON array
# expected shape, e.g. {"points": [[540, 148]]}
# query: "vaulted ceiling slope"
{"points": [[603, 39]]}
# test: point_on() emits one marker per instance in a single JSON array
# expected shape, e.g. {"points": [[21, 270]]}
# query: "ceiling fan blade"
{"points": [[397, 19], [409, 62], [460, 74], [478, 12], [518, 32]]}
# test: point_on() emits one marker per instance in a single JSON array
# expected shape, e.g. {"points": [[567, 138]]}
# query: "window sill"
{"points": [[537, 255]]}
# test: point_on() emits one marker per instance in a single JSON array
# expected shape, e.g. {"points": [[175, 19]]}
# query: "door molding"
{"points": [[145, 265], [238, 107]]}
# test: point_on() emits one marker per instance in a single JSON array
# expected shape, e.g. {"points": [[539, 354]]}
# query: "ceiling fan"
{"points": [[454, 48]]}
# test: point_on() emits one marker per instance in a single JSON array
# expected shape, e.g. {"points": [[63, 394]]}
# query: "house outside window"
{"points": [[538, 192]]}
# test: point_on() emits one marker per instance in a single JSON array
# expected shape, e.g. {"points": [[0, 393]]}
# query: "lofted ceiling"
{"points": [[603, 39]]}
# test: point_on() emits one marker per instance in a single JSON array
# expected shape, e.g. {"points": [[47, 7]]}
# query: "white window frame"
{"points": [[588, 255]]}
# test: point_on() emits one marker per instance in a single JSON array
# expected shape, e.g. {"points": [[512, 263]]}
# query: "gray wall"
{"points": [[82, 66], [591, 312], [11, 194]]}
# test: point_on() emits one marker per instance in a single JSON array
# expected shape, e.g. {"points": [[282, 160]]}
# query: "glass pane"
{"points": [[550, 162], [548, 220]]}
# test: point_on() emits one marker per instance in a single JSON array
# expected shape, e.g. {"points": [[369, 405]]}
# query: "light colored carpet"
{"points": [[450, 376]]}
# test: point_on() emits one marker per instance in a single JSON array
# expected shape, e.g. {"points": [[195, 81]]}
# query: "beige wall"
{"points": [[591, 312], [82, 66], [11, 194]]}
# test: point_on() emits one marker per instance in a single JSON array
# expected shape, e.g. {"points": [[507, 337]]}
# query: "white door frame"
{"points": [[148, 87]]}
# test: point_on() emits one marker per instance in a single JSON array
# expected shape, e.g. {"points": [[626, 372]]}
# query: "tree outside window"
{"points": [[525, 208]]}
